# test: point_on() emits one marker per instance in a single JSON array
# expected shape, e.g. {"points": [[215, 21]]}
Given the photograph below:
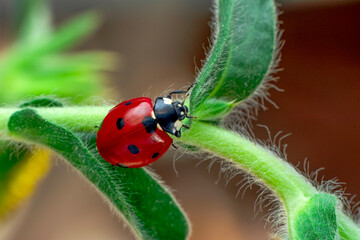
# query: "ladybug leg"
{"points": [[99, 127], [113, 167], [191, 86], [176, 92], [177, 134], [186, 126], [182, 92], [174, 146]]}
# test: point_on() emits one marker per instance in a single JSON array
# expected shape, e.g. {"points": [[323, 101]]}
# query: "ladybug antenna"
{"points": [[176, 92], [187, 95], [187, 91], [188, 116], [186, 112]]}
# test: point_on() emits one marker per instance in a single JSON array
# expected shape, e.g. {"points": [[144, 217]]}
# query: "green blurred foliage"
{"points": [[36, 64]]}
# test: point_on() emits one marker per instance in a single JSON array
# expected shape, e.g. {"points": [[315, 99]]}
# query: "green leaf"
{"points": [[72, 32], [9, 159], [148, 207], [245, 40], [214, 109], [68, 35], [33, 21], [40, 68], [317, 219], [41, 102]]}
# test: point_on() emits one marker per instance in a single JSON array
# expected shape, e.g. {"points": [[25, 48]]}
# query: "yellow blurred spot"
{"points": [[23, 180]]}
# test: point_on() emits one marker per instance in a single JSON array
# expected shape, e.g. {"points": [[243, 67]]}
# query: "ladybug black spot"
{"points": [[128, 103], [120, 123], [155, 155], [133, 149], [149, 124]]}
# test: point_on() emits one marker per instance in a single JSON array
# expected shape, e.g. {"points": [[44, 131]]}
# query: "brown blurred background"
{"points": [[158, 41]]}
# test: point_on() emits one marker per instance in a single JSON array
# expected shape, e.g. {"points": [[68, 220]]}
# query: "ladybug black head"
{"points": [[169, 114]]}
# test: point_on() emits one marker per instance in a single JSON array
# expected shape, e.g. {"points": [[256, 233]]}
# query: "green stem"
{"points": [[348, 230], [76, 118], [289, 185], [277, 174], [264, 164]]}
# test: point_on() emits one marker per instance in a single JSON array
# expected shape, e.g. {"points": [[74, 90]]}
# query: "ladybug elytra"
{"points": [[135, 133]]}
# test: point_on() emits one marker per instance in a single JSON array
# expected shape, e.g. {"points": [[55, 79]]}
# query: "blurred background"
{"points": [[159, 43]]}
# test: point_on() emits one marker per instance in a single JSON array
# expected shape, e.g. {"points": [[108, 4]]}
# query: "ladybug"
{"points": [[135, 133]]}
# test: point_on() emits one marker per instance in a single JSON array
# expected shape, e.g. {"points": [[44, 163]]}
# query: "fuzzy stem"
{"points": [[348, 230], [76, 118], [291, 187], [275, 173], [278, 175]]}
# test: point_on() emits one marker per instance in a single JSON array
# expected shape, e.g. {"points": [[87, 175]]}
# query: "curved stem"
{"points": [[348, 230], [290, 186], [277, 174]]}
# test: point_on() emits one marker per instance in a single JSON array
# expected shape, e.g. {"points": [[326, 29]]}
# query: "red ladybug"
{"points": [[134, 133]]}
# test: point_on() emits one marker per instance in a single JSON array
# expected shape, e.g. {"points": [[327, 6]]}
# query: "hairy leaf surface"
{"points": [[241, 55], [148, 207]]}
